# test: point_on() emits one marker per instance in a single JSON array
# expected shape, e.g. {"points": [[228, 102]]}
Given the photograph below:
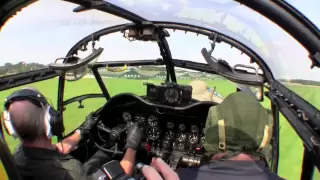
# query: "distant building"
{"points": [[185, 76], [140, 74], [132, 74], [161, 75]]}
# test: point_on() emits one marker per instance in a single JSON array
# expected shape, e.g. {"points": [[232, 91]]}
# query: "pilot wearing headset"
{"points": [[29, 117]]}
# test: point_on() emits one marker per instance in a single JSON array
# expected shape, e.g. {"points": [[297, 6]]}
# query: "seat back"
{"points": [[7, 160]]}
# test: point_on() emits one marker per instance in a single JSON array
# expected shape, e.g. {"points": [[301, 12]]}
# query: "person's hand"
{"points": [[134, 136], [88, 124], [68, 144], [157, 167], [65, 146]]}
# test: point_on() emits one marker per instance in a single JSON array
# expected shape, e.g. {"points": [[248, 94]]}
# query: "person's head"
{"points": [[200, 92], [29, 116], [239, 125]]}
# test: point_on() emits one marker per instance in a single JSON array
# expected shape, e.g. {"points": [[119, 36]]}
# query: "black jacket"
{"points": [[229, 170], [45, 164]]}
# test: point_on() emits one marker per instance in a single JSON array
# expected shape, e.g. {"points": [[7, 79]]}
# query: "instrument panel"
{"points": [[173, 131], [169, 132]]}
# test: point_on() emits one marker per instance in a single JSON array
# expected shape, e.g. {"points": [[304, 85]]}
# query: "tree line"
{"points": [[152, 68], [9, 68], [301, 81]]}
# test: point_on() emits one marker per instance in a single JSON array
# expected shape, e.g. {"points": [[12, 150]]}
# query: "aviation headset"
{"points": [[52, 118]]}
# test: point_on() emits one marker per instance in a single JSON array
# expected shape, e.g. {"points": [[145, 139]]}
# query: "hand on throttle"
{"points": [[88, 124], [134, 136]]}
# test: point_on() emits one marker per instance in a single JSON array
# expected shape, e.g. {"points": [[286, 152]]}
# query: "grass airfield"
{"points": [[291, 148]]}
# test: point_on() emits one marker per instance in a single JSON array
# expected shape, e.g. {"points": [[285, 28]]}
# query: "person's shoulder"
{"points": [[17, 150], [18, 154], [274, 176], [66, 170], [191, 173], [229, 170], [72, 175], [69, 165]]}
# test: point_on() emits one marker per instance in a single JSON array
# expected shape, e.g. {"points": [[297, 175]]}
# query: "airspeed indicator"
{"points": [[154, 133], [153, 121]]}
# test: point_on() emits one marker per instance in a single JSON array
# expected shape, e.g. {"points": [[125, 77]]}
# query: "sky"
{"points": [[47, 29]]}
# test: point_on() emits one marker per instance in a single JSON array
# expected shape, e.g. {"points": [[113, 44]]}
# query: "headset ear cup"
{"points": [[8, 125], [47, 122], [56, 122]]}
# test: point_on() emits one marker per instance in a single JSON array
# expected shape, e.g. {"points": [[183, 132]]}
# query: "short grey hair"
{"points": [[27, 120]]}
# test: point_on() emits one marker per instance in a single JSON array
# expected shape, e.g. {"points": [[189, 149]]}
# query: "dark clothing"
{"points": [[239, 170], [40, 163]]}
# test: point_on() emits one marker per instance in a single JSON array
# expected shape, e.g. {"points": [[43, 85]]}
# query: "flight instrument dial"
{"points": [[153, 121], [170, 125], [193, 138], [154, 133], [181, 127], [171, 95]]}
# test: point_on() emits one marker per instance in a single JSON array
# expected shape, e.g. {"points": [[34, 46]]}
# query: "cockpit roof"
{"points": [[263, 36], [228, 17]]}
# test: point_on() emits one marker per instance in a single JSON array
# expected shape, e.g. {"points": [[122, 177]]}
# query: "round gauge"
{"points": [[153, 121], [170, 125], [154, 133], [193, 139], [126, 116], [182, 127], [194, 128], [171, 95], [139, 119], [182, 138], [169, 135]]}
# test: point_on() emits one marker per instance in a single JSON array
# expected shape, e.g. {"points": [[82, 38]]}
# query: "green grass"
{"points": [[291, 149]]}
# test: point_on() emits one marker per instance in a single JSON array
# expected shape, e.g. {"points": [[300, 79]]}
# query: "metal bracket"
{"points": [[93, 43], [213, 44], [315, 59]]}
